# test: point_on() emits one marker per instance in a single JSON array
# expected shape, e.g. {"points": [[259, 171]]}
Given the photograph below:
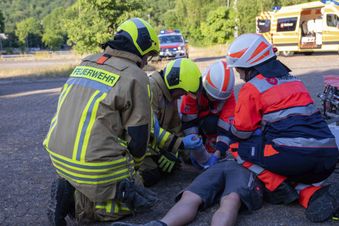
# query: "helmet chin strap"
{"points": [[144, 62]]}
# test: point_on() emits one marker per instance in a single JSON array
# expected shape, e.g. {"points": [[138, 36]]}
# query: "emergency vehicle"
{"points": [[172, 44], [307, 28]]}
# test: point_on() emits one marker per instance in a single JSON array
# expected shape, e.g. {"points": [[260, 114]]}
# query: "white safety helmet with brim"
{"points": [[254, 51], [218, 80]]}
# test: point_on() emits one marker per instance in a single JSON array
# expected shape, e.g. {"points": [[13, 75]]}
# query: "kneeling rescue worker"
{"points": [[179, 77], [100, 132], [210, 113], [283, 137]]}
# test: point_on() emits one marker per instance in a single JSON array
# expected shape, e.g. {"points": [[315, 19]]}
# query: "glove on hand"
{"points": [[137, 198], [211, 161], [257, 132], [168, 161], [192, 141]]}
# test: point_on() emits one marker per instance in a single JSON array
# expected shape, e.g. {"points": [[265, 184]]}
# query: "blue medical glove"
{"points": [[192, 141], [211, 161], [257, 132]]}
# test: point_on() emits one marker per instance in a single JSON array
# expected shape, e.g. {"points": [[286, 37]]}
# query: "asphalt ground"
{"points": [[26, 108]]}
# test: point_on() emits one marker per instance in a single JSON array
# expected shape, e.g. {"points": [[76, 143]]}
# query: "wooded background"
{"points": [[84, 24]]}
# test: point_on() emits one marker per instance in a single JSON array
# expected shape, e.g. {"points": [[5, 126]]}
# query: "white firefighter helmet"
{"points": [[218, 80], [249, 50]]}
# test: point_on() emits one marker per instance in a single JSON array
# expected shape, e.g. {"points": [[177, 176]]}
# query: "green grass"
{"points": [[36, 73]]}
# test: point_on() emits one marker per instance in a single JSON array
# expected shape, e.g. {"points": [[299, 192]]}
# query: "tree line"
{"points": [[85, 24]]}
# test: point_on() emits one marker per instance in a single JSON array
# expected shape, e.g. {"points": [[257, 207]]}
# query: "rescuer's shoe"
{"points": [[283, 194], [137, 198], [334, 193], [61, 202], [324, 204]]}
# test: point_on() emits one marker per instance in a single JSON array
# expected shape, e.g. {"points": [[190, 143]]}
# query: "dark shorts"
{"points": [[224, 178]]}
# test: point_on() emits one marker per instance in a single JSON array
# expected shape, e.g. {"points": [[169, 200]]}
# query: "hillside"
{"points": [[17, 10]]}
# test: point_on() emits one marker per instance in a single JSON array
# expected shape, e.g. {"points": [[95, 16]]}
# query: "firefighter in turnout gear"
{"points": [[100, 132], [179, 77], [282, 136]]}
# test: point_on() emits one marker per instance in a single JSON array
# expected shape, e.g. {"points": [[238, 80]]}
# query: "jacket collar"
{"points": [[123, 54], [272, 68], [161, 83]]}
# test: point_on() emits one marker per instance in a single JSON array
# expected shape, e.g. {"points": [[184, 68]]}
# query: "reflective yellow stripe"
{"points": [[125, 208], [109, 206], [90, 125], [81, 124], [89, 170], [62, 98], [87, 176], [92, 179], [149, 91], [138, 160], [117, 207], [95, 74], [63, 94], [90, 176], [53, 119], [120, 141], [93, 182], [108, 164], [164, 138]]}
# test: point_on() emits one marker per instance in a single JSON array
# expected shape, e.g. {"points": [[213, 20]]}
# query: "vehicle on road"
{"points": [[172, 45], [307, 28]]}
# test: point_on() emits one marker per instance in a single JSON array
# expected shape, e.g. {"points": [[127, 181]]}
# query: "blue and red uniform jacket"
{"points": [[194, 109], [284, 110]]}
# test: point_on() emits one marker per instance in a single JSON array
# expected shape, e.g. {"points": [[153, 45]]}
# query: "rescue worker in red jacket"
{"points": [[210, 113], [283, 138]]}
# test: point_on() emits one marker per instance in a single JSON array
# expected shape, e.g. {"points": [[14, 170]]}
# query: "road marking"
{"points": [[52, 91]]}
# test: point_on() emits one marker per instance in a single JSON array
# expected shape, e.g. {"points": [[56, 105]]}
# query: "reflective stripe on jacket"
{"points": [[166, 111], [88, 138], [193, 109], [283, 107]]}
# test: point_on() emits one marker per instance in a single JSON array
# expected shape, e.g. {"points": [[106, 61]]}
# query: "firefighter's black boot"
{"points": [[324, 204], [61, 202]]}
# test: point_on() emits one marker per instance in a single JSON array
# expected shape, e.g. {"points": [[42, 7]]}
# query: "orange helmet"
{"points": [[218, 80]]}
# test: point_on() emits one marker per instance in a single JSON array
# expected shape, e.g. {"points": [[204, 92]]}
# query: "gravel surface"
{"points": [[26, 108]]}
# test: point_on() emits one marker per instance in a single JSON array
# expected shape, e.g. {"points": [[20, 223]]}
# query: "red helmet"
{"points": [[218, 80]]}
